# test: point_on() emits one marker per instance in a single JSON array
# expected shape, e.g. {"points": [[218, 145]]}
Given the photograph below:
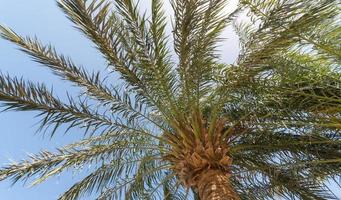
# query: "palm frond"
{"points": [[17, 94], [47, 164], [142, 47], [61, 65], [107, 175], [92, 83], [284, 24], [138, 184], [104, 28], [197, 28]]}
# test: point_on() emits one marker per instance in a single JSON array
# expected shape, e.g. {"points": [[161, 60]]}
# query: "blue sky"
{"points": [[43, 19]]}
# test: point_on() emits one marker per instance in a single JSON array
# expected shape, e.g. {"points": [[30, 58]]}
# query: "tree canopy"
{"points": [[268, 124]]}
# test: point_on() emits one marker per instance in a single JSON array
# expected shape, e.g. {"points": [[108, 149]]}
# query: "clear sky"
{"points": [[44, 19]]}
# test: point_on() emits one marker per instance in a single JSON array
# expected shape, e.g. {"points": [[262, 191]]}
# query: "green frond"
{"points": [[172, 189], [148, 51], [297, 154], [140, 184], [197, 28], [66, 69], [104, 177], [60, 65], [166, 76], [106, 30], [284, 141], [100, 25], [94, 181], [288, 184], [284, 25], [312, 84], [47, 164], [20, 95], [149, 174]]}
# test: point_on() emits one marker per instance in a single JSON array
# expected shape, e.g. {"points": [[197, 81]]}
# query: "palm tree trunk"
{"points": [[215, 185]]}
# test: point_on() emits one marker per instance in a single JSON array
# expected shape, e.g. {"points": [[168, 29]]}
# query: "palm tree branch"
{"points": [[47, 164], [295, 29], [61, 65], [155, 69], [197, 27], [96, 22], [21, 95], [282, 181]]}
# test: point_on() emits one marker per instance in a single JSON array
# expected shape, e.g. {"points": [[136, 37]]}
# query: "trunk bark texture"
{"points": [[215, 185]]}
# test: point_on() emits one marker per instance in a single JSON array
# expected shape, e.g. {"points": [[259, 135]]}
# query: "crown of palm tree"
{"points": [[182, 124]]}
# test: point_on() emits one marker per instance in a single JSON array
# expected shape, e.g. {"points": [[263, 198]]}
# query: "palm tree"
{"points": [[181, 124]]}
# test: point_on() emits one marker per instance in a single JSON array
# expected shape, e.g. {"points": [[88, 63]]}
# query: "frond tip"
{"points": [[17, 94]]}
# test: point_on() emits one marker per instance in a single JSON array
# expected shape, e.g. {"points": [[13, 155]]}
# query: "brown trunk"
{"points": [[215, 185]]}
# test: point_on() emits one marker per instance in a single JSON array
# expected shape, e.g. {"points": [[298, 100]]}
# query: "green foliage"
{"points": [[281, 100]]}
